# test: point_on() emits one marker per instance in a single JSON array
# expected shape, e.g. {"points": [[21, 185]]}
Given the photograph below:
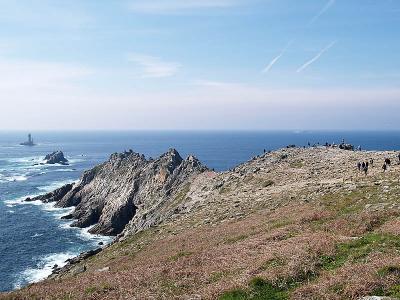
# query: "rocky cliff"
{"points": [[127, 191], [291, 224]]}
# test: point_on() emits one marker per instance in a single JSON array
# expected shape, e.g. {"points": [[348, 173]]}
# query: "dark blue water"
{"points": [[32, 236]]}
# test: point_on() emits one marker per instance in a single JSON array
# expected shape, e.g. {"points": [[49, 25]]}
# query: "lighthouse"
{"points": [[29, 142]]}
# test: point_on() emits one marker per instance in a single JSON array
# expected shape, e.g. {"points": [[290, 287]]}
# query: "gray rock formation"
{"points": [[56, 157], [128, 192], [73, 264], [54, 196]]}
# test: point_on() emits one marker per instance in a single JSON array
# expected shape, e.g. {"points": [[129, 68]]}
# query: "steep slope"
{"points": [[127, 188], [291, 224]]}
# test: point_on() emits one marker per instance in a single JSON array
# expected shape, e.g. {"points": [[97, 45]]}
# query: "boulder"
{"points": [[56, 157]]}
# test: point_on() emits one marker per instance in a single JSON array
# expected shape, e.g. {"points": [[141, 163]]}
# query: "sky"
{"points": [[199, 64]]}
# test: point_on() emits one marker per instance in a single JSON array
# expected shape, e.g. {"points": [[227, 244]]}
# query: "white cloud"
{"points": [[154, 67], [63, 104], [25, 74], [315, 58], [217, 84], [48, 95], [177, 6]]}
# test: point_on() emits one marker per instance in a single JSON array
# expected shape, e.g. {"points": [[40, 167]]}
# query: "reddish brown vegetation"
{"points": [[329, 247]]}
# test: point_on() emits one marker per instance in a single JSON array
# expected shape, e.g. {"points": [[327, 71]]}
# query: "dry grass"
{"points": [[329, 247]]}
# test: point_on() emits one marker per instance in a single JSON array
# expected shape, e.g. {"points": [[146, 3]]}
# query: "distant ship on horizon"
{"points": [[29, 142]]}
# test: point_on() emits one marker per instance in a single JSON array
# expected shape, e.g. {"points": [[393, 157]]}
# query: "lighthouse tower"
{"points": [[29, 142]]}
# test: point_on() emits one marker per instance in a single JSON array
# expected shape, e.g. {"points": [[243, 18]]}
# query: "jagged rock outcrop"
{"points": [[54, 196], [57, 157], [128, 189]]}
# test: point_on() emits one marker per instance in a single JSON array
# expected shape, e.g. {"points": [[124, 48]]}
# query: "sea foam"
{"points": [[44, 268]]}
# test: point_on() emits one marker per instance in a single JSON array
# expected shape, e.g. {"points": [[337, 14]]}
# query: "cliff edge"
{"points": [[290, 224]]}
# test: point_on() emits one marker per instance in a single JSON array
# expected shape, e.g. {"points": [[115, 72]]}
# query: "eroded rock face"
{"points": [[56, 157], [54, 196], [128, 190]]}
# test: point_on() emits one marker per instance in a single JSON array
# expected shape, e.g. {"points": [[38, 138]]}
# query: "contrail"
{"points": [[267, 68], [322, 11], [273, 62], [314, 59]]}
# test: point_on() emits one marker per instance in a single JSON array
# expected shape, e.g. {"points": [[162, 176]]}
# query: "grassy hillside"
{"points": [[293, 224]]}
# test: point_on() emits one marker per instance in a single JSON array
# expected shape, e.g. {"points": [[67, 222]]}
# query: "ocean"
{"points": [[33, 238]]}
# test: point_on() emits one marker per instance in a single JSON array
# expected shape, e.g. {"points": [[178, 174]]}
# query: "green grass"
{"points": [[171, 287], [338, 288], [65, 297], [297, 164], [224, 190], [350, 202], [182, 194], [280, 223], [394, 292], [102, 289], [180, 255], [217, 276], [235, 295], [273, 263], [344, 204], [357, 250], [236, 239], [385, 271], [259, 289], [91, 290]]}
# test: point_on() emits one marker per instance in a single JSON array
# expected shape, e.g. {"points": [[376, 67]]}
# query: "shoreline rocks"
{"points": [[72, 266], [57, 157], [127, 193], [53, 196]]}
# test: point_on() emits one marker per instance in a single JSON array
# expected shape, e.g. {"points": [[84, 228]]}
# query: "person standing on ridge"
{"points": [[366, 169]]}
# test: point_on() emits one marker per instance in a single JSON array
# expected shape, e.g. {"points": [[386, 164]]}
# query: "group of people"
{"points": [[343, 145], [364, 166]]}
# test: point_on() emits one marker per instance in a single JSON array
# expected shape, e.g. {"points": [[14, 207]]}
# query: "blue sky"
{"points": [[200, 64]]}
